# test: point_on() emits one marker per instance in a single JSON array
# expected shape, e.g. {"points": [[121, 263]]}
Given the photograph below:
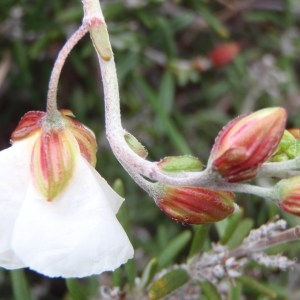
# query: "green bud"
{"points": [[174, 164]]}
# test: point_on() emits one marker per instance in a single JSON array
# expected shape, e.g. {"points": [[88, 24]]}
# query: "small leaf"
{"points": [[199, 237], [75, 289], [148, 272], [167, 284], [242, 230], [232, 225], [20, 285], [256, 286], [176, 245], [210, 291], [135, 145]]}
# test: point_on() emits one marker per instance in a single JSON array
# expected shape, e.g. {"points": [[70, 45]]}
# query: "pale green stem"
{"points": [[56, 71]]}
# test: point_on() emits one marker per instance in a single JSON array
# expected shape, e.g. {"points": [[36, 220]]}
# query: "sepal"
{"points": [[288, 148], [53, 161], [246, 143], [84, 136], [29, 124]]}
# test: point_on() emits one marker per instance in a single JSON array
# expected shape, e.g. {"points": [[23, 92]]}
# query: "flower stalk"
{"points": [[140, 169]]}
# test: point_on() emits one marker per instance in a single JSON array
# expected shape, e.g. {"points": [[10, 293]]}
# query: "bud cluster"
{"points": [[239, 151]]}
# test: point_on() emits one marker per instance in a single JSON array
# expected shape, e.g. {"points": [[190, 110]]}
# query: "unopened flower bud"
{"points": [[224, 54], [194, 205], [247, 142], [186, 163], [288, 193]]}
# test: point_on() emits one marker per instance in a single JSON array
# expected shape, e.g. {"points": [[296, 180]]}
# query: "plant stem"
{"points": [[59, 63]]}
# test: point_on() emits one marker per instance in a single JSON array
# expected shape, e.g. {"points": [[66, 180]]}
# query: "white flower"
{"points": [[76, 234]]}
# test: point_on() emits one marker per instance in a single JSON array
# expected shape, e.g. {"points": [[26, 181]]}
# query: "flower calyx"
{"points": [[54, 151], [246, 142]]}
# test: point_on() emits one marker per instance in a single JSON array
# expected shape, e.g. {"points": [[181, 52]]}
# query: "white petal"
{"points": [[75, 235], [14, 181]]}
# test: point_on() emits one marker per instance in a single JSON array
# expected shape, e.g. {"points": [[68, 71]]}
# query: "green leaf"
{"points": [[232, 225], [199, 237], [130, 269], [210, 291], [166, 93], [175, 246], [256, 286], [241, 231], [168, 283], [76, 290], [19, 284], [148, 272]]}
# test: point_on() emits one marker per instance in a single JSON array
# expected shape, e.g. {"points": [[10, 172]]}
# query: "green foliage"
{"points": [[170, 105]]}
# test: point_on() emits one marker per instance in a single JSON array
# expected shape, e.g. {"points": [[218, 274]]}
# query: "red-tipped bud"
{"points": [[247, 142], [224, 54], [289, 195], [194, 205]]}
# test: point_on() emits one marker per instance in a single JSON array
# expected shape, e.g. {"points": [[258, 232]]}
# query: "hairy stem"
{"points": [[59, 63]]}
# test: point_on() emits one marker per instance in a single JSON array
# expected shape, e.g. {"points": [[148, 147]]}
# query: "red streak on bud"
{"points": [[195, 205], [53, 162], [83, 135], [289, 195]]}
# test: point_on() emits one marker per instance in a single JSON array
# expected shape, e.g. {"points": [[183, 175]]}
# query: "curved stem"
{"points": [[59, 63]]}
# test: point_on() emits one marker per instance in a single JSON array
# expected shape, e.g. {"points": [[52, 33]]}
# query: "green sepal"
{"points": [[174, 164], [288, 148], [168, 283], [135, 145]]}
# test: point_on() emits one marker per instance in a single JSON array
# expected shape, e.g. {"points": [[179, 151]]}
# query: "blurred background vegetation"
{"points": [[175, 97]]}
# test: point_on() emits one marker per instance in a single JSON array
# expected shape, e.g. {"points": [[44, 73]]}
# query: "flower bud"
{"points": [[223, 54], [180, 163], [194, 205], [288, 193], [247, 142]]}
